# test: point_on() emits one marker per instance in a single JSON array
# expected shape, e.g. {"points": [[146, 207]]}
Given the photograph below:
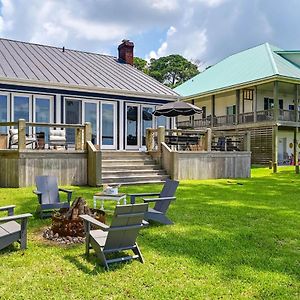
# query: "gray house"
{"points": [[41, 83]]}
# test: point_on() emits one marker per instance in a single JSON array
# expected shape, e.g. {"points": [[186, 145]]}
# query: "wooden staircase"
{"points": [[129, 167]]}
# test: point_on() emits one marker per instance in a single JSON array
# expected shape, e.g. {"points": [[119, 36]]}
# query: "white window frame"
{"points": [[133, 147], [114, 146], [51, 99], [141, 120]]}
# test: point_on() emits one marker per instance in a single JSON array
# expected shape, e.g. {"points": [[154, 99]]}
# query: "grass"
{"points": [[232, 239]]}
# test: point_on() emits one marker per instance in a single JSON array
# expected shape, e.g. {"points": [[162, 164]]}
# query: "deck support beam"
{"points": [[275, 149]]}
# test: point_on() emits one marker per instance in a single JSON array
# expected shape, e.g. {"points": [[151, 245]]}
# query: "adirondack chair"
{"points": [[48, 195], [119, 236], [162, 203], [10, 230]]}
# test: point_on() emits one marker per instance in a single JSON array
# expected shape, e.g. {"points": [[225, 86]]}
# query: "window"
{"points": [[268, 103], [230, 110], [3, 112], [280, 103], [203, 112], [42, 114], [291, 106], [248, 94]]}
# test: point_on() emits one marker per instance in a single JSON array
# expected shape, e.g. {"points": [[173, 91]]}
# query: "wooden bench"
{"points": [[11, 231]]}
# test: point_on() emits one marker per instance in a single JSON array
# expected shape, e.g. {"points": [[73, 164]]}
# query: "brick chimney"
{"points": [[126, 52]]}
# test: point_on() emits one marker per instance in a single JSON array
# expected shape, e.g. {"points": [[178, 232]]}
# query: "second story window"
{"points": [[230, 110], [203, 112]]}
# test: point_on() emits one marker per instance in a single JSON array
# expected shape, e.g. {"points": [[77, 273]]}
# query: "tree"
{"points": [[141, 64], [172, 70]]}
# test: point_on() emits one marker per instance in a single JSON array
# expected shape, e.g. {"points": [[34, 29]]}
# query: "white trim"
{"points": [[121, 125], [58, 108], [7, 107], [114, 146]]}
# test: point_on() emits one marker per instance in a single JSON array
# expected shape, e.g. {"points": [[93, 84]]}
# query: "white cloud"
{"points": [[206, 30]]}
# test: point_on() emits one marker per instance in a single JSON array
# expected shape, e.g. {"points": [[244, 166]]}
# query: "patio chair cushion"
{"points": [[13, 135], [57, 133]]}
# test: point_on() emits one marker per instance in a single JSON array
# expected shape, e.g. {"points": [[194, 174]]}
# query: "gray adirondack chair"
{"points": [[162, 203], [119, 236], [48, 195], [10, 230]]}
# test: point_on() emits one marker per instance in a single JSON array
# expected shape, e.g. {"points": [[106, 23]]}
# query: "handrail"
{"points": [[40, 124]]}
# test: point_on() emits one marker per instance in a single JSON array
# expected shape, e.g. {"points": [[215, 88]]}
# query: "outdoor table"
{"points": [[102, 196]]}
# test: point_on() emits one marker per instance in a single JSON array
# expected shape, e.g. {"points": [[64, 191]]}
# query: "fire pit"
{"points": [[67, 227]]}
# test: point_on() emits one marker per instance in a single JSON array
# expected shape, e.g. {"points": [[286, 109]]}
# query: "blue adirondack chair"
{"points": [[162, 202], [119, 236], [10, 230], [48, 195]]}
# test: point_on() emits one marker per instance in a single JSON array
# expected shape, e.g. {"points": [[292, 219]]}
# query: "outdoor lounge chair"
{"points": [[57, 137], [162, 203], [48, 195], [14, 139], [119, 236], [10, 230]]}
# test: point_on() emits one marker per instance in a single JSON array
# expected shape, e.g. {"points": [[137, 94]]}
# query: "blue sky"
{"points": [[201, 30]]}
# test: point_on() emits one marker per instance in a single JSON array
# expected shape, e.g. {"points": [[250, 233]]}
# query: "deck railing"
{"points": [[249, 117], [83, 133]]}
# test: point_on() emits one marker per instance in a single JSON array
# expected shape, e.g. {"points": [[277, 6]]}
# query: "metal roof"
{"points": [[52, 65], [253, 64]]}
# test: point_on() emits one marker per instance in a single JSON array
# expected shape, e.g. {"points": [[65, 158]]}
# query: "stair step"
{"points": [[130, 167], [116, 163], [134, 179], [134, 173]]}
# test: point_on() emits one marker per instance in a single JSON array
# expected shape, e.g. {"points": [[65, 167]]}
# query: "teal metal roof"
{"points": [[253, 64]]}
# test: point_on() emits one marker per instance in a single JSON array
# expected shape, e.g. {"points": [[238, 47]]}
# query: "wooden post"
{"points": [[94, 169], [208, 139], [247, 141], [276, 101], [149, 139], [237, 105], [296, 156], [275, 148], [160, 137], [78, 139], [213, 110], [296, 104], [21, 134], [87, 133]]}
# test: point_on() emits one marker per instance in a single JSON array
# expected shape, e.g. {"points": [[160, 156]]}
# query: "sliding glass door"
{"points": [[138, 119], [22, 107], [108, 125], [43, 113], [72, 116], [91, 114]]}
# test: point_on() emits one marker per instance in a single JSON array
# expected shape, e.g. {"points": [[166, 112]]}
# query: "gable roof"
{"points": [[253, 64], [51, 65]]}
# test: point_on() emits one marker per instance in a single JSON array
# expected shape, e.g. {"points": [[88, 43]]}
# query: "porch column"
{"points": [[254, 105], [275, 148], [21, 134], [237, 104], [296, 104], [276, 101], [213, 109]]}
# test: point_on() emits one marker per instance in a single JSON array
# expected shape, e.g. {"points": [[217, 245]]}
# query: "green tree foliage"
{"points": [[141, 64], [170, 70]]}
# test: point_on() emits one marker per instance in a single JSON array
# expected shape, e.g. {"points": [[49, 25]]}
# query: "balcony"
{"points": [[246, 118]]}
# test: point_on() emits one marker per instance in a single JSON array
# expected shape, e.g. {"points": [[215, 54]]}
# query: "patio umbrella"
{"points": [[178, 108]]}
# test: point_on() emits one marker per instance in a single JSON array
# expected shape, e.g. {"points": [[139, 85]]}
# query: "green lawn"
{"points": [[233, 239]]}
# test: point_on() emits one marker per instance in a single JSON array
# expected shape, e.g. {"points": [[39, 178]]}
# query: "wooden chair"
{"points": [[162, 203], [10, 230], [48, 195], [119, 236]]}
